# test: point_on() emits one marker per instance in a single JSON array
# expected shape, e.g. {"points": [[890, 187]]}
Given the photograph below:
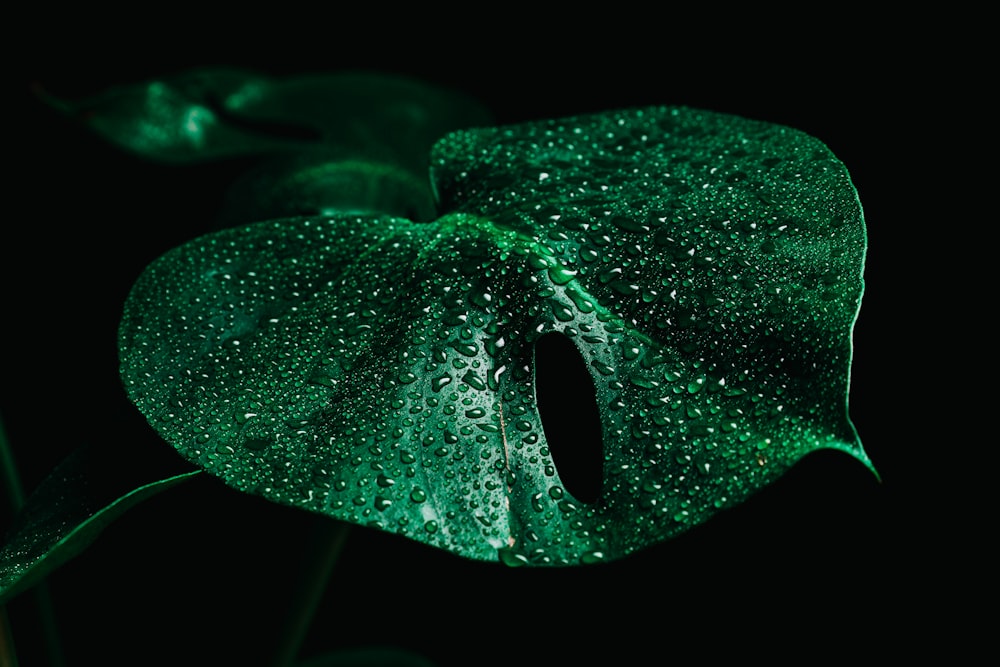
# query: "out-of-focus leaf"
{"points": [[707, 269], [209, 114], [67, 512], [323, 142]]}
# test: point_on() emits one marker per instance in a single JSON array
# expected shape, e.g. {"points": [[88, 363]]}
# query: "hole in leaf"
{"points": [[567, 405]]}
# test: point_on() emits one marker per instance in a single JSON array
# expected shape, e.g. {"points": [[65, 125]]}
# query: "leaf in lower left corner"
{"points": [[67, 512]]}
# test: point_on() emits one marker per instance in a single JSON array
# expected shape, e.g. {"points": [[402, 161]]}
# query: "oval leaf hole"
{"points": [[567, 405]]}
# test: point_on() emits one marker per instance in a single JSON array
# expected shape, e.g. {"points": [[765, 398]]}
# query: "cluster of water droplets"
{"points": [[727, 255], [381, 371]]}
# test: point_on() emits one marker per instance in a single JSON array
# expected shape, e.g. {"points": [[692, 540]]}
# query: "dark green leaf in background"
{"points": [[707, 270], [317, 142]]}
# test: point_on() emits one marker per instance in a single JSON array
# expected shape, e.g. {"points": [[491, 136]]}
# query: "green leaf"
{"points": [[707, 269], [67, 512], [321, 142]]}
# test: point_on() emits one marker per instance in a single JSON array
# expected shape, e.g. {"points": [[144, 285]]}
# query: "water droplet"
{"points": [[643, 382], [470, 378], [561, 312], [242, 416], [511, 558], [418, 495], [437, 384], [624, 287], [480, 296], [467, 349], [582, 302], [536, 502], [561, 275], [602, 368], [540, 262]]}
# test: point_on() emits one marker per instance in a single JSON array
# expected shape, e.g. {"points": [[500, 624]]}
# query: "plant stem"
{"points": [[8, 657], [15, 498], [13, 489], [14, 493], [325, 544]]}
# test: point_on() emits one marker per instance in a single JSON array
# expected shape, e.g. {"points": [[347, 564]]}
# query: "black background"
{"points": [[827, 562]]}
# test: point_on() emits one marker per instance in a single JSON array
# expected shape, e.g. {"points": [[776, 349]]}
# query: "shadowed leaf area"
{"points": [[706, 270], [72, 507]]}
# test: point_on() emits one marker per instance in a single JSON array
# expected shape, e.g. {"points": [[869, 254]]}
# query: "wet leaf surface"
{"points": [[706, 269]]}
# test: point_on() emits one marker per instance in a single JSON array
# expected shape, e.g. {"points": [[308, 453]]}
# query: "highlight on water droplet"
{"points": [[511, 558]]}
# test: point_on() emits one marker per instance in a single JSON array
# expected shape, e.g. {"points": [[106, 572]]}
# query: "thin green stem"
{"points": [[13, 489], [15, 498], [326, 543], [8, 656]]}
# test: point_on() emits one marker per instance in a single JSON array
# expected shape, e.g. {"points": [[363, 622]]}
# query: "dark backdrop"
{"points": [[825, 562]]}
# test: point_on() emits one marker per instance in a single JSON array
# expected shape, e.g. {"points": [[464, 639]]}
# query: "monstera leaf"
{"points": [[706, 270]]}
